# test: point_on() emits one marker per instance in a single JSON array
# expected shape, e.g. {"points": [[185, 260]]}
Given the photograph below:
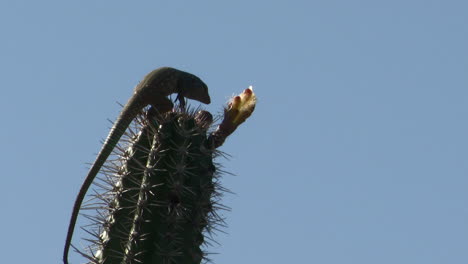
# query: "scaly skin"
{"points": [[154, 89]]}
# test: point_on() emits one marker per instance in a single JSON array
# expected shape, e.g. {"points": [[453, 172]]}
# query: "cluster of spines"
{"points": [[163, 195]]}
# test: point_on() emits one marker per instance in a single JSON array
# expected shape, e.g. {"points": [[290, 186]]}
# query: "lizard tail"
{"points": [[130, 111]]}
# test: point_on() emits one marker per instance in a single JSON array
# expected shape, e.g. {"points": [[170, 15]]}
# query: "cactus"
{"points": [[161, 200]]}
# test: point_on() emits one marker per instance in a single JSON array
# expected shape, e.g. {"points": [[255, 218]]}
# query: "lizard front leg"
{"points": [[181, 100]]}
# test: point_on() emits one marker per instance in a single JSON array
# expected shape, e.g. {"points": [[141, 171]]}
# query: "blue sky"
{"points": [[357, 151]]}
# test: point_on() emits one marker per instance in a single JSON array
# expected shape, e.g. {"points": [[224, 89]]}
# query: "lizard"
{"points": [[153, 89]]}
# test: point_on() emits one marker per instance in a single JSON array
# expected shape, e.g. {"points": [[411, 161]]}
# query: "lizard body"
{"points": [[154, 89]]}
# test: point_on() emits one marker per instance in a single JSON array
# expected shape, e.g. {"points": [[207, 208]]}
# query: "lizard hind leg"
{"points": [[161, 104]]}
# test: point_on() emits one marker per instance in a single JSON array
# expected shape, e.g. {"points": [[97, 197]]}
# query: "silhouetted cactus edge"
{"points": [[158, 201]]}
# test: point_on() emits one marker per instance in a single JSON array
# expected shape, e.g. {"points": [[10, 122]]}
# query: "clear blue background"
{"points": [[357, 151]]}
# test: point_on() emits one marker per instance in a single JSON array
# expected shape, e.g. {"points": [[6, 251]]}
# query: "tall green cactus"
{"points": [[165, 190]]}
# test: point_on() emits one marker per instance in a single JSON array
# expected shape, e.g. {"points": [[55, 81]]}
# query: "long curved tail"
{"points": [[130, 111]]}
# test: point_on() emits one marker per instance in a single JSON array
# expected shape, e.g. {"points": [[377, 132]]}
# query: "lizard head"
{"points": [[192, 87]]}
